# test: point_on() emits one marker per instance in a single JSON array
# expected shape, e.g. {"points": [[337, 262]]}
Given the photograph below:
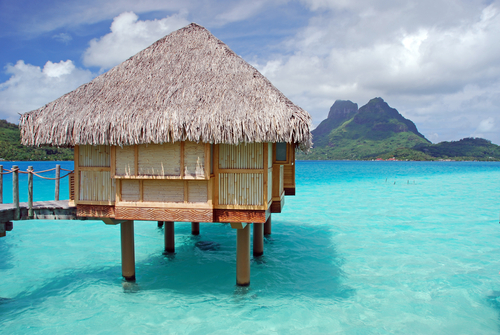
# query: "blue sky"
{"points": [[436, 61]]}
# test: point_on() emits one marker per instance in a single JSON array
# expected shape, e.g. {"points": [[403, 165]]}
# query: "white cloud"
{"points": [[127, 37], [241, 11], [63, 38], [486, 125], [30, 87], [442, 72]]}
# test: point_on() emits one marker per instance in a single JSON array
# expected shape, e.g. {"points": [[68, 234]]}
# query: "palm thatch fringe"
{"points": [[186, 86]]}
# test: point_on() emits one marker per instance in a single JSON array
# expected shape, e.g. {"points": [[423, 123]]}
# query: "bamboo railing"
{"points": [[30, 172]]}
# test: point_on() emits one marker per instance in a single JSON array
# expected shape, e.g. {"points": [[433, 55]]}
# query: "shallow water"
{"points": [[364, 248]]}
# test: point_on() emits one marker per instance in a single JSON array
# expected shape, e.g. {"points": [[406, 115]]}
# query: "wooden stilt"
{"points": [[258, 239], [58, 174], [169, 237], [128, 253], [195, 228], [1, 184], [30, 193], [267, 226], [15, 192], [160, 224], [243, 256]]}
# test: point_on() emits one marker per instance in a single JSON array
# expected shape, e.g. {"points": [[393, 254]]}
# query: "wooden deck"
{"points": [[42, 210]]}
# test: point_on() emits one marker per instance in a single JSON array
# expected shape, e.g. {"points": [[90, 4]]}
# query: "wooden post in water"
{"points": [[128, 253], [30, 192], [195, 228], [267, 226], [243, 256], [15, 192], [169, 237], [58, 174], [258, 239], [1, 184]]}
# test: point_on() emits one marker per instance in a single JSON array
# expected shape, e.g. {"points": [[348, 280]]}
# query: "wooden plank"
{"points": [[160, 214], [87, 202], [95, 211], [76, 154], [215, 189], [241, 170], [210, 191], [113, 161], [242, 207], [165, 205], [244, 216], [267, 182], [94, 168], [207, 161]]}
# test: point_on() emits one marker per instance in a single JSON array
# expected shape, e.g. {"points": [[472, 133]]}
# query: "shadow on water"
{"points": [[298, 260], [493, 300]]}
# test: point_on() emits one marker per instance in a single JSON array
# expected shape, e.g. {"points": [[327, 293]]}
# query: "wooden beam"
{"points": [[76, 155], [267, 226], [215, 197], [258, 239], [243, 256], [195, 228], [15, 192], [128, 252], [169, 237], [58, 174], [1, 184], [30, 192]]}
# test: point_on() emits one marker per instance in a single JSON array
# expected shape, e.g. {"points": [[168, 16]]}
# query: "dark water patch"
{"points": [[207, 245]]}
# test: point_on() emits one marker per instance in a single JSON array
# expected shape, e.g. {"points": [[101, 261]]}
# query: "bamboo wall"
{"points": [[159, 159], [178, 174], [163, 175], [242, 189], [93, 175], [125, 161], [163, 191], [96, 186], [244, 176], [243, 156], [194, 160], [98, 156]]}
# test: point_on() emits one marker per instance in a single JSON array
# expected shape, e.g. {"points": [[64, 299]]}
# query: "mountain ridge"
{"points": [[378, 131]]}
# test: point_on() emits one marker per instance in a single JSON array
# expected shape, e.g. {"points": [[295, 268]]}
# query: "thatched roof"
{"points": [[186, 86]]}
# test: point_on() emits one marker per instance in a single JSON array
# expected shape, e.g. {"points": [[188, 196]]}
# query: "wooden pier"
{"points": [[41, 210]]}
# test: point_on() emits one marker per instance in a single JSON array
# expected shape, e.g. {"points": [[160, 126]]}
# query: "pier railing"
{"points": [[30, 172]]}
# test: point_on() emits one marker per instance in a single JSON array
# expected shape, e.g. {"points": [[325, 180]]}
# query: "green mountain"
{"points": [[365, 133], [378, 131], [11, 148]]}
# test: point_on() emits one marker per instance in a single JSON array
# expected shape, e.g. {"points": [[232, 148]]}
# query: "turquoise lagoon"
{"points": [[364, 248]]}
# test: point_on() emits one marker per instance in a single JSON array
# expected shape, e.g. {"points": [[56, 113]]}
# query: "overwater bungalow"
{"points": [[184, 131]]}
